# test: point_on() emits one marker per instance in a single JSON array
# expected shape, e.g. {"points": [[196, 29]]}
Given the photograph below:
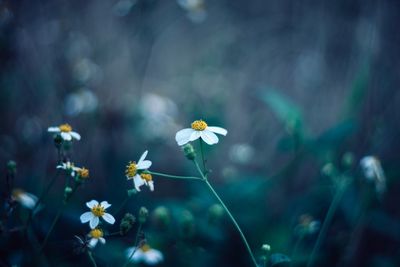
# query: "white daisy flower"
{"points": [[145, 254], [97, 210], [199, 129], [27, 200], [65, 131], [95, 236], [140, 179], [372, 169], [69, 167]]}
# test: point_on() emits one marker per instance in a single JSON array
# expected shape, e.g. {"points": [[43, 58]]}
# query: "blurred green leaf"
{"points": [[286, 111]]}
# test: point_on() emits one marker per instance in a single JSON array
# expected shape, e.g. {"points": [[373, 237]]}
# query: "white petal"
{"points": [[27, 200], [75, 135], [108, 218], [94, 222], [93, 242], [66, 136], [209, 137], [217, 130], [151, 185], [63, 166], [138, 256], [145, 164], [53, 129], [87, 216], [195, 135], [105, 204], [143, 156], [153, 256], [182, 136], [92, 203], [102, 240], [138, 182]]}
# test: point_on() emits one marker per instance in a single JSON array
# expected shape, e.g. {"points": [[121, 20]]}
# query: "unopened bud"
{"points": [[11, 167], [348, 159], [143, 214], [265, 248], [67, 192], [215, 212], [328, 169], [161, 216], [189, 151], [126, 223]]}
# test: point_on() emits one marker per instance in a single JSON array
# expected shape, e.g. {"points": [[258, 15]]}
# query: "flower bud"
{"points": [[161, 217], [328, 169], [126, 223], [143, 214], [132, 192], [67, 192], [187, 223], [265, 248], [348, 159], [215, 212], [11, 167], [189, 151]]}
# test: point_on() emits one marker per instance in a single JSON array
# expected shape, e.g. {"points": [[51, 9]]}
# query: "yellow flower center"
{"points": [[199, 125], [145, 248], [98, 210], [131, 169], [65, 128], [83, 173], [96, 233], [146, 176]]}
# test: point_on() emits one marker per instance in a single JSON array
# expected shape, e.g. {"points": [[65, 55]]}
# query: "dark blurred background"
{"points": [[297, 85]]}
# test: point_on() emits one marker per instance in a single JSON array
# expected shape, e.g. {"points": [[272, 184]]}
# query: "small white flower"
{"points": [[143, 178], [145, 254], [372, 169], [199, 129], [27, 200], [97, 210], [69, 167], [95, 236], [65, 131]]}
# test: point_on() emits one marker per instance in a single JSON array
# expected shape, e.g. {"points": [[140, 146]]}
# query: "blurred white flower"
{"points": [[97, 210], [68, 167], [65, 131], [372, 169], [140, 179], [26, 200], [307, 225], [199, 129], [196, 11], [95, 236], [145, 254], [241, 153], [82, 101]]}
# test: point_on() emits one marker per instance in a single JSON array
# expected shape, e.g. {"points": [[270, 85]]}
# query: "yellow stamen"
{"points": [[131, 169], [199, 125], [145, 248], [83, 173], [146, 176], [96, 233], [65, 128], [98, 210]]}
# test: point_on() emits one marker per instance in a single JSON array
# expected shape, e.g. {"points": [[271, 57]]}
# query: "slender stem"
{"points": [[233, 220], [328, 219], [202, 155], [295, 248], [91, 258], [41, 197], [228, 212], [136, 244], [65, 202], [174, 176], [122, 205]]}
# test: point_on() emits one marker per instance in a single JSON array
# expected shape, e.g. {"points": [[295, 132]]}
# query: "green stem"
{"points": [[228, 212], [122, 205], [328, 219], [41, 197], [174, 176], [202, 155], [295, 248], [65, 202], [136, 244], [91, 258]]}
